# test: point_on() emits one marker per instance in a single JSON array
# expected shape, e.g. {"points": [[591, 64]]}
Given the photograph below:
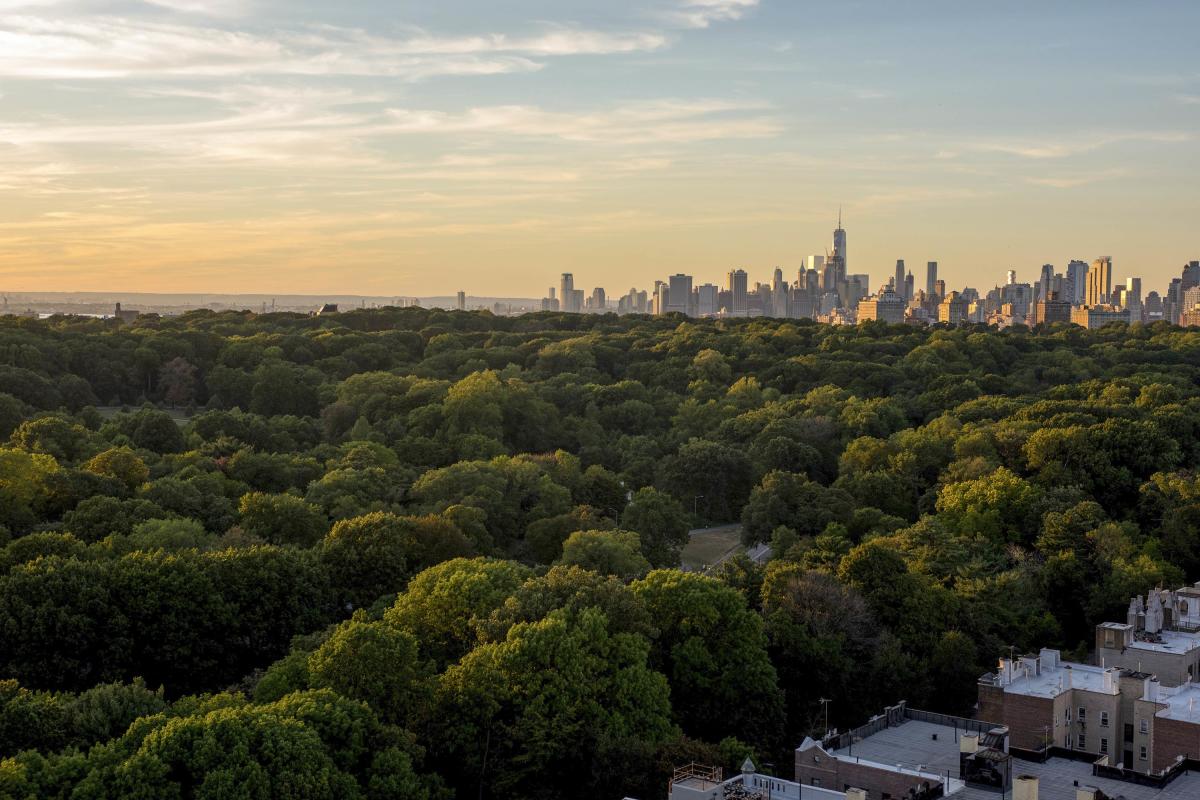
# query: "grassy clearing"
{"points": [[707, 547], [177, 414]]}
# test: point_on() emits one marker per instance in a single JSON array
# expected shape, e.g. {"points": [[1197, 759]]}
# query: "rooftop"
{"points": [[1046, 675], [697, 782], [1183, 703], [1167, 641], [913, 744]]}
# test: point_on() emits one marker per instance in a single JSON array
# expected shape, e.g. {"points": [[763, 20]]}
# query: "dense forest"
{"points": [[405, 553]]}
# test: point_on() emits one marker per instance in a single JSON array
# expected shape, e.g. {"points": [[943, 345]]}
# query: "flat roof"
{"points": [[1172, 642], [1053, 682], [1183, 703], [912, 744]]}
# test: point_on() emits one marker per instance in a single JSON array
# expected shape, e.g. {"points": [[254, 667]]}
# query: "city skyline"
{"points": [[256, 146]]}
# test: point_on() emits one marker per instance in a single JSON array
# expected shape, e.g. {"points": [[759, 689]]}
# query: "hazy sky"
{"points": [[422, 147]]}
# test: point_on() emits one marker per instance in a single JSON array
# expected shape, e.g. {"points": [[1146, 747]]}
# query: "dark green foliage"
{"points": [[931, 498]]}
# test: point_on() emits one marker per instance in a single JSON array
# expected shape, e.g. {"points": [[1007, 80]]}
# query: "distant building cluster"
{"points": [[826, 291]]}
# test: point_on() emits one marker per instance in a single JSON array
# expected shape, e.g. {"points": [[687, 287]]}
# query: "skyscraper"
{"points": [[839, 247], [1012, 277], [462, 301], [737, 290], [1045, 283], [1075, 283], [779, 295], [1133, 299], [1191, 274], [931, 280], [679, 294], [898, 285], [1099, 282], [566, 292]]}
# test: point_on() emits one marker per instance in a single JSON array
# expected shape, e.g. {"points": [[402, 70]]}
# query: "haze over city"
{"points": [[243, 146]]}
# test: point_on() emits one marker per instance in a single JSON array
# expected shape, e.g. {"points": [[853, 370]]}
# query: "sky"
{"points": [[418, 148]]}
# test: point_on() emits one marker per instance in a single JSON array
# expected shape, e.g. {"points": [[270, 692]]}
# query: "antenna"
{"points": [[839, 218]]}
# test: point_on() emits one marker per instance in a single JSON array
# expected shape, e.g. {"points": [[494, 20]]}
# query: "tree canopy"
{"points": [[409, 552]]}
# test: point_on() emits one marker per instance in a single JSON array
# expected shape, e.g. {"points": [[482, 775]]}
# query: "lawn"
{"points": [[710, 545]]}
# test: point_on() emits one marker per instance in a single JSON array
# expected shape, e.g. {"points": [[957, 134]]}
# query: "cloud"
{"points": [[339, 127], [119, 47], [1187, 99], [1074, 181], [659, 121], [703, 13], [871, 94], [1084, 143], [208, 8]]}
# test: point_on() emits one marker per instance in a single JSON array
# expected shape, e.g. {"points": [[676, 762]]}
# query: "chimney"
{"points": [[968, 743], [1067, 678], [748, 770], [1152, 690], [1025, 787], [856, 794], [1049, 658]]}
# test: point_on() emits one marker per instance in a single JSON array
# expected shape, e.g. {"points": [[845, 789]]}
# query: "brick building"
{"points": [[1048, 703], [1160, 635]]}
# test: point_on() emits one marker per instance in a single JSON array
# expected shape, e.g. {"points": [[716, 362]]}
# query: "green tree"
{"points": [[282, 519], [784, 498], [376, 554], [25, 482], [531, 717], [606, 552], [53, 436], [712, 648], [662, 523], [378, 664], [120, 463], [445, 605], [711, 477]]}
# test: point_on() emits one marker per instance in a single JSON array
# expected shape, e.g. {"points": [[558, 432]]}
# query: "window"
{"points": [[1103, 719], [1082, 742], [1104, 745], [1067, 713], [1069, 745], [1145, 726], [816, 781], [1142, 753], [1082, 714]]}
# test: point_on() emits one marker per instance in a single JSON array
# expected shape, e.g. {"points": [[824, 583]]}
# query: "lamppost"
{"points": [[696, 505]]}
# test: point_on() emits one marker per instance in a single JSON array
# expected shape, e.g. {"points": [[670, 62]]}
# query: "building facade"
{"points": [[887, 306]]}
